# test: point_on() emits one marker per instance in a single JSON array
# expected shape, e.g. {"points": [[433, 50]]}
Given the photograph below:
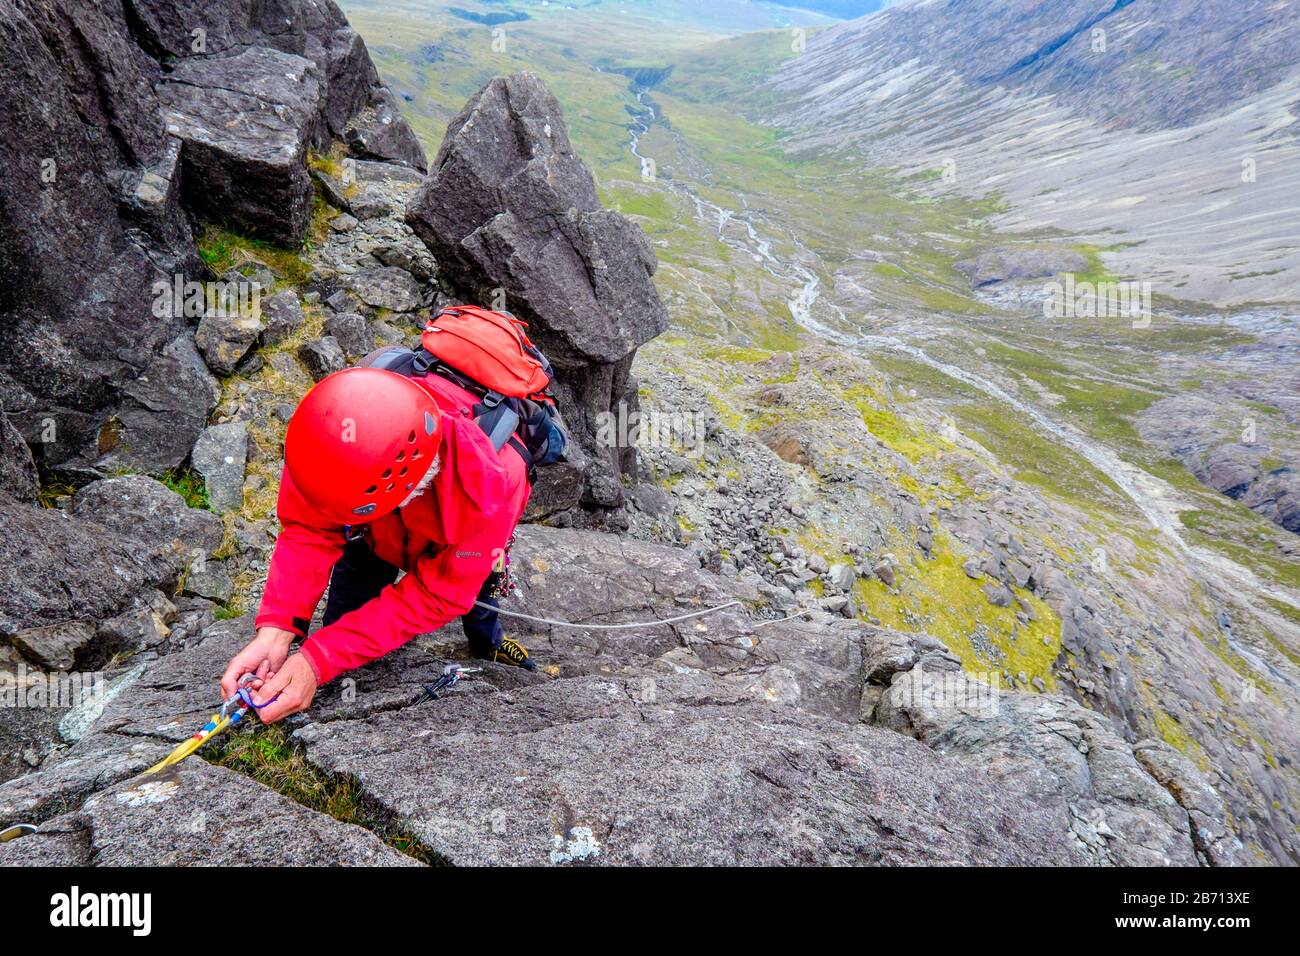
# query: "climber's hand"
{"points": [[262, 657], [295, 685]]}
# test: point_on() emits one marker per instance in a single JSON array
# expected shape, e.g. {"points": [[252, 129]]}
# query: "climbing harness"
{"points": [[607, 627], [451, 675], [232, 712], [17, 830], [502, 581]]}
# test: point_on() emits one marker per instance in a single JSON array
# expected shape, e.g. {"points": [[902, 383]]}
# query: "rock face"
{"points": [[1057, 754], [143, 508], [246, 121], [142, 122], [1233, 448], [76, 314], [60, 576], [18, 478], [704, 742], [593, 772], [162, 821], [379, 132], [1000, 265], [508, 208]]}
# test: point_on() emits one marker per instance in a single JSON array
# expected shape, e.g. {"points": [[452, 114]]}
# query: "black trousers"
{"points": [[361, 574]]}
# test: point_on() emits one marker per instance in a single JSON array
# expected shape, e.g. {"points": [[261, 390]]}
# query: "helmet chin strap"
{"points": [[423, 486]]}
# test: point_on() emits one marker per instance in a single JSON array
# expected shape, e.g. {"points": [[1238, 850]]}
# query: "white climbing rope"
{"points": [[788, 617], [606, 627]]}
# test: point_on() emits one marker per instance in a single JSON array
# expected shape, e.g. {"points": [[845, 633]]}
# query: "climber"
{"points": [[384, 472]]}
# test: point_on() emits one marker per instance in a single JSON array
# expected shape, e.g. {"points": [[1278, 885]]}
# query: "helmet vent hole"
{"points": [[388, 473], [390, 486], [411, 437], [372, 489], [401, 455], [402, 473], [415, 454]]}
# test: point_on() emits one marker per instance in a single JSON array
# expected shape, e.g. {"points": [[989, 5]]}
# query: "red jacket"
{"points": [[447, 540]]}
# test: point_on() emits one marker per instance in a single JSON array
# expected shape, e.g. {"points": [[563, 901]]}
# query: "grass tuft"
{"points": [[267, 755]]}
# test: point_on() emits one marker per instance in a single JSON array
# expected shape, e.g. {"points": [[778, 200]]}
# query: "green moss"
{"points": [[267, 755], [330, 163], [1040, 461], [1172, 732], [227, 612], [646, 203], [224, 249], [938, 597], [1095, 270], [188, 484]]}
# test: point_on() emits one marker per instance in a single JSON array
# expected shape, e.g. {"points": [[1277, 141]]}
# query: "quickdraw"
{"points": [[451, 675], [232, 712], [17, 830]]}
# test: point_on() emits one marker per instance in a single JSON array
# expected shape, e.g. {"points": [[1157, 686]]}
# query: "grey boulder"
{"points": [[379, 133], [1003, 264], [197, 814], [281, 316], [60, 575], [225, 338], [219, 456], [246, 121], [509, 211], [142, 507], [388, 287], [352, 333], [18, 477], [322, 357]]}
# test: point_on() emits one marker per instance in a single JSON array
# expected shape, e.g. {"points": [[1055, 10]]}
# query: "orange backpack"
{"points": [[490, 348], [489, 354]]}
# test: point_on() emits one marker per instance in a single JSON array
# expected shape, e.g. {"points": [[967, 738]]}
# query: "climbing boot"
{"points": [[513, 653]]}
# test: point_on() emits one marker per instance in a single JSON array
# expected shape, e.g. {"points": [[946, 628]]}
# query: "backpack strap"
{"points": [[497, 415], [498, 420], [514, 442]]}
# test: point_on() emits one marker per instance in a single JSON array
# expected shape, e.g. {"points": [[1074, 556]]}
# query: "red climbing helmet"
{"points": [[360, 442]]}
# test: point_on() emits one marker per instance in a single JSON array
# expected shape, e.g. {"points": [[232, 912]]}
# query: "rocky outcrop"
{"points": [[60, 577], [1004, 264], [1054, 752], [379, 132], [77, 278], [18, 478], [1240, 449], [511, 215], [680, 770], [187, 817], [150, 112], [711, 741], [140, 507], [246, 121], [315, 30]]}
